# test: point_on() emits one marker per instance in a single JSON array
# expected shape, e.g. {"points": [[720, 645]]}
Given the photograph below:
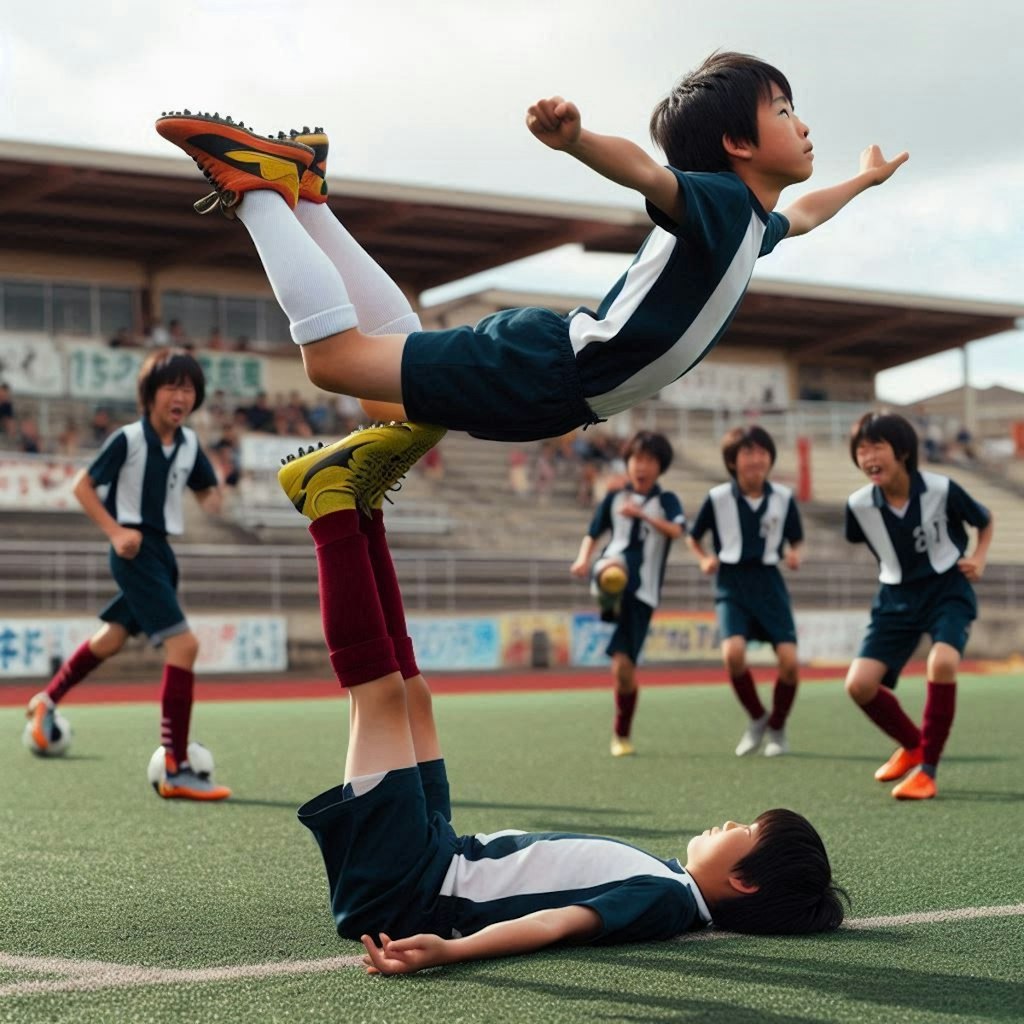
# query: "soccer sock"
{"points": [[388, 590], [380, 304], [884, 710], [353, 620], [782, 700], [625, 707], [176, 710], [72, 672], [747, 694], [939, 709], [305, 282]]}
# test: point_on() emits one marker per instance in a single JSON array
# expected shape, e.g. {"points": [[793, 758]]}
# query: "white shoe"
{"points": [[776, 743], [750, 741], [622, 747]]}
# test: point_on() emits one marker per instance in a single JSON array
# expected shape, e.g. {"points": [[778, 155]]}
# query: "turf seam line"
{"points": [[90, 975]]}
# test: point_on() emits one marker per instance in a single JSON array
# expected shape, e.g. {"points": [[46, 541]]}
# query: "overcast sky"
{"points": [[435, 94]]}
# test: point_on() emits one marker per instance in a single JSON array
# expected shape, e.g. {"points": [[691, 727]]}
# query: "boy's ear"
{"points": [[737, 150], [743, 888]]}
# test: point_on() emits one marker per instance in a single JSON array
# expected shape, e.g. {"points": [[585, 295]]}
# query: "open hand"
{"points": [[555, 121], [881, 169], [403, 956]]}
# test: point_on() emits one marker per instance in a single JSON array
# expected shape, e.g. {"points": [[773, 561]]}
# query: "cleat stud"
{"points": [[187, 112], [305, 129]]}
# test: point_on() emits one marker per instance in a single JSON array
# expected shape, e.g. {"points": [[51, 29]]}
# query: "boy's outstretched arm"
{"points": [[557, 124], [507, 938], [817, 207]]}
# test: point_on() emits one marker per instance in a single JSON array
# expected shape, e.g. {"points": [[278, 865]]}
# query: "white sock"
{"points": [[365, 783], [308, 288], [380, 304]]}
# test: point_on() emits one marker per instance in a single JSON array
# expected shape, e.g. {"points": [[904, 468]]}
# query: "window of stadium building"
{"points": [[238, 321], [64, 308]]}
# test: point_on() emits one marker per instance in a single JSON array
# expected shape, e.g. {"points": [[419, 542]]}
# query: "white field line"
{"points": [[89, 975]]}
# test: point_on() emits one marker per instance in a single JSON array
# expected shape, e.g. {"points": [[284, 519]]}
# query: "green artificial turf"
{"points": [[94, 867]]}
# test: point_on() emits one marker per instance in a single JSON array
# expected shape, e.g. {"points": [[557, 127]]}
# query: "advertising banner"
{"points": [[30, 364], [38, 483], [451, 642], [535, 639]]}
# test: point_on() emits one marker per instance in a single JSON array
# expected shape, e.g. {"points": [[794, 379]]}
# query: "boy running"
{"points": [[643, 521], [914, 523], [146, 467], [418, 894], [733, 143], [754, 525]]}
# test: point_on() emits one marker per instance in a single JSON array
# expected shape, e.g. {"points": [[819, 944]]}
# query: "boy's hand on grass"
{"points": [[403, 956], [126, 542], [872, 160], [555, 121]]}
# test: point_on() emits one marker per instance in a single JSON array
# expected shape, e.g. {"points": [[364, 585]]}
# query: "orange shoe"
{"points": [[916, 787], [187, 785], [899, 764], [236, 160], [313, 185], [40, 713]]}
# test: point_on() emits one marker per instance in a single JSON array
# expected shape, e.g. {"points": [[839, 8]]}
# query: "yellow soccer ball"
{"points": [[612, 579]]}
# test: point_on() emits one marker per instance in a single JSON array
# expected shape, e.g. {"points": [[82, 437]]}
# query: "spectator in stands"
{"points": [[217, 409], [122, 338], [643, 521], [398, 873], [259, 416], [349, 413], [177, 337], [101, 426], [228, 456], [157, 336], [69, 441], [216, 342], [297, 413], [915, 525], [30, 441], [142, 506], [8, 422], [754, 525]]}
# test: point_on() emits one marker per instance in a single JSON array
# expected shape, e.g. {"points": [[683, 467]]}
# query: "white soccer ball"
{"points": [[60, 738], [199, 757]]}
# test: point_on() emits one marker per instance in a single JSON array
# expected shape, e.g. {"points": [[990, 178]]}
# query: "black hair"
{"points": [[795, 892], [650, 443], [717, 99], [169, 366], [876, 427], [745, 437]]}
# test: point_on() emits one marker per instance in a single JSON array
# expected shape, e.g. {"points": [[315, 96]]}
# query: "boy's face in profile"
{"points": [[717, 850], [643, 470], [783, 150], [753, 464]]}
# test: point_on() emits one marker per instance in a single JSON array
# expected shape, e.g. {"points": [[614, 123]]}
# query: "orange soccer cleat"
{"points": [[918, 786], [236, 160], [899, 764]]}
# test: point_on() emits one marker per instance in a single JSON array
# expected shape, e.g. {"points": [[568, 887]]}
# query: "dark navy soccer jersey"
{"points": [[743, 534], [644, 549], [505, 875], [676, 300], [927, 540], [146, 485]]}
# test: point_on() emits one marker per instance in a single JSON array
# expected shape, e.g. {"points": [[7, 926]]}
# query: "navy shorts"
{"points": [[148, 600], [942, 607], [513, 377], [752, 601], [386, 853], [631, 631]]}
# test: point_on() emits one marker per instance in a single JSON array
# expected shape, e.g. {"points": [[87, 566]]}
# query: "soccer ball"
{"points": [[199, 757], [611, 577], [60, 738]]}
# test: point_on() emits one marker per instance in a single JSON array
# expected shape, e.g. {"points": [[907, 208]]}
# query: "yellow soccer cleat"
{"points": [[622, 746], [313, 184], [357, 471], [236, 160], [899, 764], [918, 786]]}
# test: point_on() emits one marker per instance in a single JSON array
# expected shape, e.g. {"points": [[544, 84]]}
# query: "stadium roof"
{"points": [[64, 201]]}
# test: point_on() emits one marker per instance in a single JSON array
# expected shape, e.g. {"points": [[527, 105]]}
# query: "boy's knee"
{"points": [[860, 689]]}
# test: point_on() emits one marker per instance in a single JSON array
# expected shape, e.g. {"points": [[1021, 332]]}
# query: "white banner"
{"points": [[249, 643], [265, 451], [38, 484], [31, 365], [730, 386]]}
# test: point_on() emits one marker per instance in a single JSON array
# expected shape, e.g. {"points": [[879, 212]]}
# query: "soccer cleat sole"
{"points": [[169, 792]]}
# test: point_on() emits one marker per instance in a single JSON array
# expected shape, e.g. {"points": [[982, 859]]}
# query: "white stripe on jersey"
{"points": [[555, 865], [942, 552], [177, 475], [131, 475], [727, 522], [775, 515], [675, 361], [862, 505]]}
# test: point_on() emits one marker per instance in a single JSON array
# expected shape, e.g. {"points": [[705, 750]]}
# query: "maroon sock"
{"points": [[176, 710], [747, 694], [389, 592], [884, 710], [72, 672], [625, 706], [782, 700], [354, 627], [939, 708]]}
